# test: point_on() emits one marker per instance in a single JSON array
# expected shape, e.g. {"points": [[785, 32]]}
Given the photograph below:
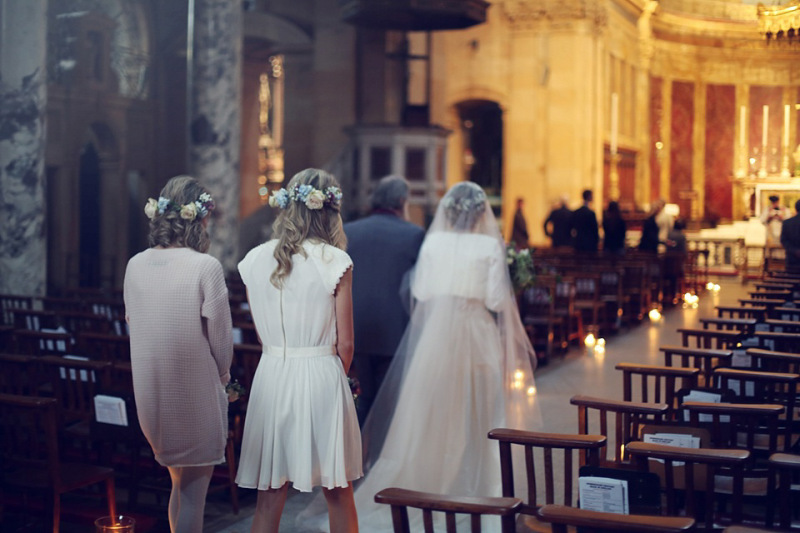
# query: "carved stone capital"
{"points": [[527, 14]]}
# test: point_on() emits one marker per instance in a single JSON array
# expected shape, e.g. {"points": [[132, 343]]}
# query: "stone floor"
{"points": [[573, 373]]}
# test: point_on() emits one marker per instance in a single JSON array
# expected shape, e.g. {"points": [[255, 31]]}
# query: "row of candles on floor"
{"points": [[597, 345]]}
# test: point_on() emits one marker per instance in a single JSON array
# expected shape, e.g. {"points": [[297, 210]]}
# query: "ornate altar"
{"points": [[751, 194]]}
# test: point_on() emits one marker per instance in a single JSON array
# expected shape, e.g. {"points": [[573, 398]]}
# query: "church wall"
{"points": [[658, 154], [719, 142], [681, 144]]}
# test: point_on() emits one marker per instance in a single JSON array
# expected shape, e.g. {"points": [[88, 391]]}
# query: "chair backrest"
{"points": [[715, 460], [29, 436], [401, 499], [34, 319], [561, 517], [628, 419], [742, 325], [540, 471], [539, 301], [704, 359], [772, 361], [778, 341], [74, 384], [755, 387], [783, 326], [105, 346], [77, 322], [245, 362], [10, 302], [786, 467], [17, 374], [709, 338], [657, 384], [742, 311], [30, 342]]}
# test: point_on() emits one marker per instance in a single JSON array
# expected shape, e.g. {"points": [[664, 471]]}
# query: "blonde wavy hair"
{"points": [[298, 223], [169, 229]]}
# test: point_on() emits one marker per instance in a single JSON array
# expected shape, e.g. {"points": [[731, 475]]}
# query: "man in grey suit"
{"points": [[383, 247]]}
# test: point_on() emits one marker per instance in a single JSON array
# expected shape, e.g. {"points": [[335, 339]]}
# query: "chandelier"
{"points": [[780, 23]]}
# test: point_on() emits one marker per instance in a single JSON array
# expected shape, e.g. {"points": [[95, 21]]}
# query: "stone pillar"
{"points": [[23, 245], [215, 130]]}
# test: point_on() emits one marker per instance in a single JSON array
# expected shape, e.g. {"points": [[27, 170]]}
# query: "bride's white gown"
{"points": [[456, 381]]}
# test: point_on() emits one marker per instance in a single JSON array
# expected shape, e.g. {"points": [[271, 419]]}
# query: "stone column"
{"points": [[215, 130], [23, 245]]}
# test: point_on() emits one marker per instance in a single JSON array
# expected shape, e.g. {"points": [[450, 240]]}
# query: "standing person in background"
{"points": [[301, 425], [557, 226], [676, 239], [585, 232], [790, 239], [772, 217], [384, 248], [519, 229], [176, 303], [650, 231], [614, 229], [664, 221]]}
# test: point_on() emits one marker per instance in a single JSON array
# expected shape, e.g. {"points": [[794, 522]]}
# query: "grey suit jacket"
{"points": [[383, 248]]}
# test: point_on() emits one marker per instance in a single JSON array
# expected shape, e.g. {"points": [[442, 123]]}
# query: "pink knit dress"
{"points": [[176, 302]]}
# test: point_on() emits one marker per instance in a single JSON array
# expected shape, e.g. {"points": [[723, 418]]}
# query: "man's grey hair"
{"points": [[390, 193]]}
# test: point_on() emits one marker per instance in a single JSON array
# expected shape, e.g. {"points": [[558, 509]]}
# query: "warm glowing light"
{"points": [[655, 315], [517, 384], [518, 375], [601, 342], [716, 288], [589, 340], [710, 286], [531, 391]]}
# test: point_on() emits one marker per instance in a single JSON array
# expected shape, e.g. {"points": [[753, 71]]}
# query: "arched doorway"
{"points": [[482, 130]]}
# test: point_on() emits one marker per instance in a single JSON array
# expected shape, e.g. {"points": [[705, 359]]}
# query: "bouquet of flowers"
{"points": [[355, 388], [520, 268], [235, 390]]}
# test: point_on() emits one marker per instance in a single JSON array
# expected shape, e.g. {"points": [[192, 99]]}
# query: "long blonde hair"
{"points": [[297, 223]]}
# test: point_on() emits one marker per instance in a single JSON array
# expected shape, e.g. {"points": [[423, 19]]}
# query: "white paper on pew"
{"points": [[703, 396], [603, 494], [740, 359], [84, 375], [237, 335], [673, 439], [110, 410]]}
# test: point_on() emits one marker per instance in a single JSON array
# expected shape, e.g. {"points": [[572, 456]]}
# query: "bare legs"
{"points": [[269, 507], [188, 497], [341, 510]]}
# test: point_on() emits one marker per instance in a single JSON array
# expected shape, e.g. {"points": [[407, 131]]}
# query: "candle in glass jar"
{"points": [[765, 126]]}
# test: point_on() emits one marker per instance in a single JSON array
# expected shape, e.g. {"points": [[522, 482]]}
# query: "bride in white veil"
{"points": [[464, 367]]}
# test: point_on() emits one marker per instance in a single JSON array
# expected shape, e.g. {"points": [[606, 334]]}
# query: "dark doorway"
{"points": [[482, 128], [89, 223]]}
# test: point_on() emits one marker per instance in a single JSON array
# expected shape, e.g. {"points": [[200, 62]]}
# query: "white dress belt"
{"points": [[299, 351]]}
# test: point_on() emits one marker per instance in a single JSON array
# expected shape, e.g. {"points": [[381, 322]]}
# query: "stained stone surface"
{"points": [[23, 247], [215, 122]]}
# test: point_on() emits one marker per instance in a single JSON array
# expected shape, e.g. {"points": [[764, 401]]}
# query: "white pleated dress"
{"points": [[301, 425]]}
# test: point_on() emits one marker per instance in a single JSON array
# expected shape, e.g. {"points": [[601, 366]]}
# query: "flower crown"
{"points": [[200, 207], [475, 202], [306, 194]]}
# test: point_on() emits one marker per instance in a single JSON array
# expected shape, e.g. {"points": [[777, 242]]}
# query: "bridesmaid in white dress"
{"points": [[464, 367], [301, 425]]}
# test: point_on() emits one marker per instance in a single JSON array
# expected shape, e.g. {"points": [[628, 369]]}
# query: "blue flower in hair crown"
{"points": [[309, 196]]}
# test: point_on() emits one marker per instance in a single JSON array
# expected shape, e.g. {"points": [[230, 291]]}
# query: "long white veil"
{"points": [[463, 210]]}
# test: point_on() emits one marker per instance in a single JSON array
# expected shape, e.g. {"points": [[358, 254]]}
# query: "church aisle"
{"points": [[577, 372]]}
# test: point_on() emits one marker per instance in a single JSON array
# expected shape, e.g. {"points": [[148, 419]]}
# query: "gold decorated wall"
{"points": [[680, 72]]}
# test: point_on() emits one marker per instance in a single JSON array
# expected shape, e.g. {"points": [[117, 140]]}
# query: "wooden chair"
{"points": [[11, 302], [749, 311], [784, 468], [30, 342], [657, 384], [613, 295], [34, 319], [571, 319], [756, 387], [772, 361], [629, 417], [587, 299], [105, 346], [745, 529], [775, 294], [17, 374], [709, 338], [31, 460], [537, 311], [714, 460], [563, 517], [778, 341], [401, 499], [743, 325], [783, 326], [77, 322], [704, 359], [636, 289], [786, 313], [545, 475]]}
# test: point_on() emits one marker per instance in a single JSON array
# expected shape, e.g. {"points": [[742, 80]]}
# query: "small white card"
{"points": [[110, 410]]}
